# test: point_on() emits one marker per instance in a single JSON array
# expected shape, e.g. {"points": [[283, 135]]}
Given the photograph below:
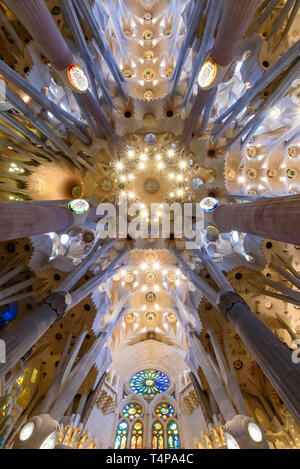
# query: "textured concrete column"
{"points": [[274, 358], [217, 388], [22, 336], [37, 19], [22, 219], [235, 22], [274, 218]]}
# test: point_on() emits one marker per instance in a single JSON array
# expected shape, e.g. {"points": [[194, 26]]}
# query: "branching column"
{"points": [[22, 336], [274, 218], [274, 358], [79, 374], [234, 24], [217, 388]]}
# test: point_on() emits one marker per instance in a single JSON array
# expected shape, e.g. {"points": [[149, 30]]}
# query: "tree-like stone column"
{"points": [[217, 388], [274, 358], [23, 219], [24, 334], [79, 374], [234, 24], [36, 17], [274, 218]]}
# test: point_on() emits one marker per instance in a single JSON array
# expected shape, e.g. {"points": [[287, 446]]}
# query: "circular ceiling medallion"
{"points": [[78, 78], [151, 186], [106, 185], [150, 276], [172, 318], [148, 95], [291, 173], [76, 191], [150, 258], [171, 276], [129, 277], [293, 151], [231, 174], [88, 236], [127, 73], [251, 173], [151, 316], [147, 35], [251, 152], [238, 364], [149, 54], [148, 75], [150, 296], [129, 318], [271, 173]]}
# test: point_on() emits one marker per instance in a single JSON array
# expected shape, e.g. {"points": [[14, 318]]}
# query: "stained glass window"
{"points": [[149, 383], [157, 436], [121, 438], [132, 411], [137, 436], [173, 437], [164, 411]]}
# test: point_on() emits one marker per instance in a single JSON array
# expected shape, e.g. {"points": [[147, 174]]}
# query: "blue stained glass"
{"points": [[173, 438], [121, 437], [9, 315], [149, 383]]}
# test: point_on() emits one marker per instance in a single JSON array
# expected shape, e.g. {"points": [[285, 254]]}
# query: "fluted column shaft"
{"points": [[274, 358], [22, 219], [235, 22], [24, 334], [36, 17], [274, 218]]}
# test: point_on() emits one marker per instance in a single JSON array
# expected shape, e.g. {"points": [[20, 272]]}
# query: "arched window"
{"points": [[173, 436], [137, 436], [121, 438], [157, 436], [132, 411], [130, 430], [164, 411], [165, 432]]}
